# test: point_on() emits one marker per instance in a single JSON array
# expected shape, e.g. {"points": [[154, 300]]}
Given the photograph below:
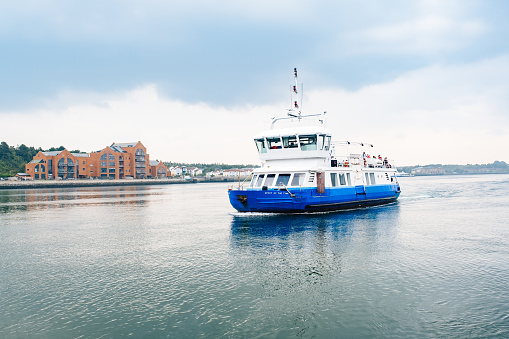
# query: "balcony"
{"points": [[140, 165]]}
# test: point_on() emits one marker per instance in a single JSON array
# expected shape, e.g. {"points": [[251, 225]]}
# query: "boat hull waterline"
{"points": [[308, 200]]}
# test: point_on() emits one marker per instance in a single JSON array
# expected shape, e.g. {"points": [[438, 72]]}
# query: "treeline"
{"points": [[207, 167], [13, 159], [495, 167]]}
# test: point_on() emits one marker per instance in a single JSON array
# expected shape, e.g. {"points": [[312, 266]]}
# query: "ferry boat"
{"points": [[301, 171]]}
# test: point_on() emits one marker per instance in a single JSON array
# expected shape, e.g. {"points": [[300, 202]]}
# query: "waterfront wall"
{"points": [[103, 183]]}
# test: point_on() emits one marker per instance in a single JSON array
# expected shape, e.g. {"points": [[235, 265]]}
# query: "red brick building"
{"points": [[118, 161]]}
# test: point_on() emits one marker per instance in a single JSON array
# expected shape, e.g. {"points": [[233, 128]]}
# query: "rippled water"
{"points": [[176, 261]]}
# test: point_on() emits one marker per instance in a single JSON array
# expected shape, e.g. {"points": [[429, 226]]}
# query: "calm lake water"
{"points": [[176, 261]]}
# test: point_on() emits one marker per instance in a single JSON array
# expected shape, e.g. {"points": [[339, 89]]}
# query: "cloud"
{"points": [[170, 129], [438, 114]]}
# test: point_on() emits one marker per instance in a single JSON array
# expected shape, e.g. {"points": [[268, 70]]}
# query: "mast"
{"points": [[295, 109]]}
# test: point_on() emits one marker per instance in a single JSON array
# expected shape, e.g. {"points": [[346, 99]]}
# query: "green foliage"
{"points": [[208, 167], [496, 167], [13, 159]]}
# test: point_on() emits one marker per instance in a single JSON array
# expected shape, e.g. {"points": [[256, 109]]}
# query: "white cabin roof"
{"points": [[301, 130]]}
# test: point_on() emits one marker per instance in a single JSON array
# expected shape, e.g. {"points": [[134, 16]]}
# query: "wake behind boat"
{"points": [[301, 171]]}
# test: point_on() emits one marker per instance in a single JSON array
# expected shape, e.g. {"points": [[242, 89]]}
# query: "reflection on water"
{"points": [[30, 199], [174, 261], [302, 257]]}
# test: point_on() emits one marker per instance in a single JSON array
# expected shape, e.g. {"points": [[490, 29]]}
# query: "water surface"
{"points": [[177, 261]]}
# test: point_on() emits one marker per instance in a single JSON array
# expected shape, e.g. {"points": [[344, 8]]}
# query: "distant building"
{"points": [[21, 176], [157, 169], [233, 172], [118, 161], [428, 170], [175, 171]]}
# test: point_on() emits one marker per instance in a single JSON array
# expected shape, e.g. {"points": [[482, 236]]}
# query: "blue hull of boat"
{"points": [[308, 200]]}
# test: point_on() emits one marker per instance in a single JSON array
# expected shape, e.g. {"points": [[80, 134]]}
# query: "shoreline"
{"points": [[104, 182]]}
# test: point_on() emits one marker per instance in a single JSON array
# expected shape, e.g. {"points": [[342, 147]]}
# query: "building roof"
{"points": [[36, 161], [124, 144], [82, 155], [117, 148], [154, 162], [51, 153]]}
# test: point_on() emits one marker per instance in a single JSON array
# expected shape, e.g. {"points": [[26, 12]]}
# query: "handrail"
{"points": [[241, 185], [286, 189], [299, 117]]}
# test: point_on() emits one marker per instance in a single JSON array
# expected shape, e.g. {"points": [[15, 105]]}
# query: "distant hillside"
{"points": [[438, 169], [208, 167]]}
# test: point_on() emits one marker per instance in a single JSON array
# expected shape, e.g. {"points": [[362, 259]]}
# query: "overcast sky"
{"points": [[424, 81]]}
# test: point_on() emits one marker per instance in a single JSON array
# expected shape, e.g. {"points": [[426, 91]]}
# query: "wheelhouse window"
{"points": [[260, 180], [283, 179], [253, 180], [298, 179], [372, 177], [342, 180], [290, 142], [327, 142], [348, 179], [367, 178], [270, 180], [334, 179], [260, 144], [321, 141], [307, 142], [274, 143]]}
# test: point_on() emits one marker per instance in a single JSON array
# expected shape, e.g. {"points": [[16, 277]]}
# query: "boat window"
{"points": [[321, 141], [342, 179], [348, 179], [270, 180], [253, 180], [290, 142], [260, 144], [274, 143], [367, 178], [298, 179], [283, 179], [334, 179], [307, 142], [372, 176], [260, 180], [327, 142]]}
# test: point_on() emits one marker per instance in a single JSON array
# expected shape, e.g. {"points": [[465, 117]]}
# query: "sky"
{"points": [[426, 82]]}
